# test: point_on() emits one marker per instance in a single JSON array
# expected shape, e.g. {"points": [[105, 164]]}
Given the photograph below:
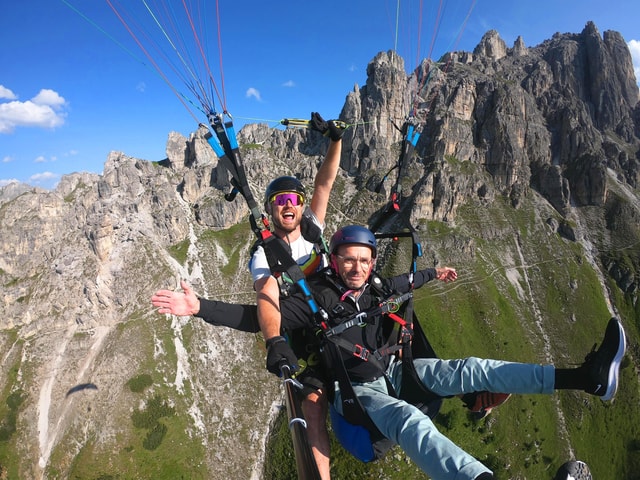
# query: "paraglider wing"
{"points": [[80, 387]]}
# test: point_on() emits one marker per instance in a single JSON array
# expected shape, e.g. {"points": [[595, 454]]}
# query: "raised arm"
{"points": [[329, 169], [325, 178]]}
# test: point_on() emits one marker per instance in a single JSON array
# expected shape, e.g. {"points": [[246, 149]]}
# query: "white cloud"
{"points": [[253, 92], [7, 159], [47, 97], [43, 177], [141, 87], [289, 83], [43, 159], [45, 110], [634, 47], [6, 93]]}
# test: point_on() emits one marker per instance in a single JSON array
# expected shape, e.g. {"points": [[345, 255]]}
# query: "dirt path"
{"points": [[48, 428]]}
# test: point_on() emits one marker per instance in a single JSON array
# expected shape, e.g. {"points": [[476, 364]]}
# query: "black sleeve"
{"points": [[237, 316], [400, 283], [423, 276], [295, 312]]}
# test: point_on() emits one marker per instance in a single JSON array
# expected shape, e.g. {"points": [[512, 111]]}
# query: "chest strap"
{"points": [[361, 319]]}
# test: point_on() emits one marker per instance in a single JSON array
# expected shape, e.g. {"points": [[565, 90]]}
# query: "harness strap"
{"points": [[413, 390], [358, 351], [358, 321], [386, 307], [410, 136], [375, 357], [228, 151]]}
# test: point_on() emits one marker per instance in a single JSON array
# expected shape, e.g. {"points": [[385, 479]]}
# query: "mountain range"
{"points": [[525, 179]]}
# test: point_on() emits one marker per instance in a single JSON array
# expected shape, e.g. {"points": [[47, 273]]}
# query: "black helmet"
{"points": [[284, 184], [354, 234]]}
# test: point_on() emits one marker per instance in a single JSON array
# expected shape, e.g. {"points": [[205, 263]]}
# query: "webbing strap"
{"points": [[227, 150], [387, 307], [410, 136]]}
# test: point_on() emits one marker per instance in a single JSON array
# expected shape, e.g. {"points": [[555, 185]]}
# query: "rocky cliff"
{"points": [[525, 178]]}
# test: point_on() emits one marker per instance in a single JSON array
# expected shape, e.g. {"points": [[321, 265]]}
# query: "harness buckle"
{"points": [[406, 335], [361, 318], [361, 352]]}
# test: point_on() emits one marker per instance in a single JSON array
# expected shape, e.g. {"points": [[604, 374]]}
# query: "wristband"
{"points": [[274, 340]]}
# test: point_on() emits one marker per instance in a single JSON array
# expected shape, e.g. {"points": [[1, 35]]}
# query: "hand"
{"points": [[278, 350], [177, 303], [328, 129], [446, 274]]}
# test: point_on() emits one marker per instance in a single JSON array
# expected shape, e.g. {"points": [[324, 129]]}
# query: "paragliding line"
{"points": [[157, 67]]}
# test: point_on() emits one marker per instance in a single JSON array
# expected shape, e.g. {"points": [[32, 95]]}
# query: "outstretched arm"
{"points": [[238, 316], [400, 283]]}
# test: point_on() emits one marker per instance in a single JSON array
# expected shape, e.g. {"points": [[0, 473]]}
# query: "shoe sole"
{"points": [[612, 385], [574, 470]]}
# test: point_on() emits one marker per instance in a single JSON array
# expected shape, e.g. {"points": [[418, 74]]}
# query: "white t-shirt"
{"points": [[302, 251]]}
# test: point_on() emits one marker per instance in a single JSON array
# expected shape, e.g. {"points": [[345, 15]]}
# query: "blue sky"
{"points": [[73, 88]]}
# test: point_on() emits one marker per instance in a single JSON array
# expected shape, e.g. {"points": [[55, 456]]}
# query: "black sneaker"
{"points": [[602, 365], [574, 470]]}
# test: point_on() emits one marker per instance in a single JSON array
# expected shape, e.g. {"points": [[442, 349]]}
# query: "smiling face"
{"points": [[285, 215], [354, 263]]}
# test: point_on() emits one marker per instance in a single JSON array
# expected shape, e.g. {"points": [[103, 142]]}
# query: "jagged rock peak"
{"points": [[519, 48], [591, 29], [491, 46], [15, 189], [390, 57]]}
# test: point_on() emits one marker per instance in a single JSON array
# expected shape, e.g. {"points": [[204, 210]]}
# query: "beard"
{"points": [[288, 227]]}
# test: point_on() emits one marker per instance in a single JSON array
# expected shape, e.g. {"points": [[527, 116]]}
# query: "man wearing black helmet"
{"points": [[300, 227], [299, 222], [358, 345]]}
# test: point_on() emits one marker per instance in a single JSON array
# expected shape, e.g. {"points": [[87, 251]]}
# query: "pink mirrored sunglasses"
{"points": [[281, 199]]}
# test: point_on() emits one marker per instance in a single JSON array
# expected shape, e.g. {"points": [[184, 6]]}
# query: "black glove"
{"points": [[278, 352], [328, 129]]}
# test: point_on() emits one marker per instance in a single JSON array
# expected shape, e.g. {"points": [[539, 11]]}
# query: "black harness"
{"points": [[406, 336]]}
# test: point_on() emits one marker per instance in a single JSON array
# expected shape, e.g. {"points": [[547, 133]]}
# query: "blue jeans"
{"points": [[414, 431]]}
